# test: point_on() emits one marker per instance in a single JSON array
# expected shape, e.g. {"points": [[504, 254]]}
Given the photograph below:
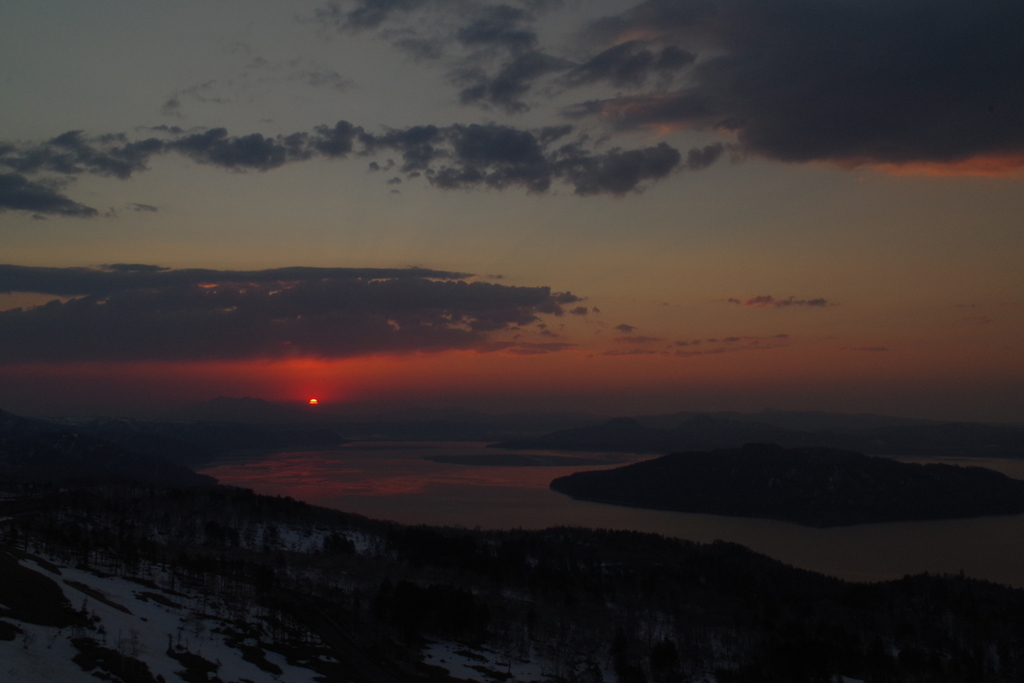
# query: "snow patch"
{"points": [[159, 620]]}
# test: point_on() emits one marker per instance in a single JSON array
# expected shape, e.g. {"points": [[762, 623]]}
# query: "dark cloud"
{"points": [[72, 153], [118, 277], [754, 344], [454, 157], [507, 25], [697, 159], [366, 14], [143, 312], [172, 107], [500, 34], [630, 64], [163, 128], [579, 310], [511, 83], [418, 145], [736, 343], [901, 81], [323, 78], [630, 352], [767, 300], [492, 50], [489, 50], [625, 328], [531, 349], [618, 171], [498, 156], [421, 49], [898, 82], [21, 194], [333, 141], [253, 151], [653, 17], [133, 268], [500, 26], [143, 207], [565, 298], [636, 340]]}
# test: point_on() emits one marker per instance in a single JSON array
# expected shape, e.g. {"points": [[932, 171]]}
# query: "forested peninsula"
{"points": [[818, 487]]}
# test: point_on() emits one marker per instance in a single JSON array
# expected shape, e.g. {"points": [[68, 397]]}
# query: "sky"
{"points": [[603, 206]]}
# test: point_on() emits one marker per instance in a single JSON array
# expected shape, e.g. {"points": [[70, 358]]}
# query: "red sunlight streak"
{"points": [[1008, 166], [579, 380], [329, 475]]}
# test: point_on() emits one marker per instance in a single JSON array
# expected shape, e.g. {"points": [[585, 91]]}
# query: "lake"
{"points": [[397, 481]]}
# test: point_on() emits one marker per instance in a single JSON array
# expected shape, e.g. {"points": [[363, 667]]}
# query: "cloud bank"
{"points": [[902, 85], [453, 157], [130, 312], [769, 301], [897, 83], [894, 82]]}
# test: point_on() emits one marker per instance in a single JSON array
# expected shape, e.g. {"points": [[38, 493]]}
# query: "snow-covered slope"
{"points": [[154, 627], [140, 631]]}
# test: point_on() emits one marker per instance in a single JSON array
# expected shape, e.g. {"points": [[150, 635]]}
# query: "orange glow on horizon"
{"points": [[1005, 166], [812, 373], [314, 402]]}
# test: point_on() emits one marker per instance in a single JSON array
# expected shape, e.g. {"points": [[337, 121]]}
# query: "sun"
{"points": [[314, 402]]}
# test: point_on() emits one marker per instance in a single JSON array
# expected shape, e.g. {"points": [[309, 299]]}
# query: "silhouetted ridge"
{"points": [[37, 451], [812, 486], [245, 410], [625, 434], [873, 434]]}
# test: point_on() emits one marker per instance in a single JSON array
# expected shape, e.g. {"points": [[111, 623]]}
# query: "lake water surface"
{"points": [[395, 481]]}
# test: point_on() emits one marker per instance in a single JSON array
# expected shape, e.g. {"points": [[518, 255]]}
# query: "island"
{"points": [[818, 487]]}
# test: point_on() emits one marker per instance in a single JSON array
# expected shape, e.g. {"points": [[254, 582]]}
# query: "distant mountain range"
{"points": [[198, 433], [868, 433], [249, 410], [244, 410], [817, 487], [792, 420], [38, 451], [196, 442], [665, 433], [864, 433]]}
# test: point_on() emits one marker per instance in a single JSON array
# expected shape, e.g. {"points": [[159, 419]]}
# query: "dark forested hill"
{"points": [[194, 443], [39, 451], [811, 486], [192, 584]]}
